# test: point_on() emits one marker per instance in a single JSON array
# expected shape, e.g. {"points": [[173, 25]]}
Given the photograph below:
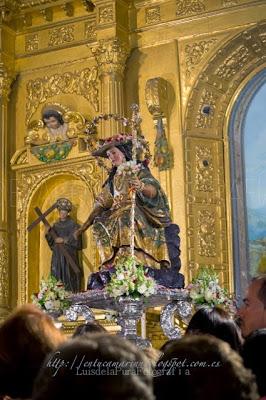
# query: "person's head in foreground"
{"points": [[26, 337], [252, 314], [89, 327], [100, 366], [152, 354], [216, 322], [254, 356], [200, 368]]}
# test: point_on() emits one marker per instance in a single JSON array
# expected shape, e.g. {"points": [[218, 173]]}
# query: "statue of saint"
{"points": [[156, 237], [64, 229]]}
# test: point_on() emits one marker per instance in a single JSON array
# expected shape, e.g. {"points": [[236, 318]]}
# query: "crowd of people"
{"points": [[217, 357]]}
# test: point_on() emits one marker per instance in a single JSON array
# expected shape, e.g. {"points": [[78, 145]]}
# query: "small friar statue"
{"points": [[64, 229]]}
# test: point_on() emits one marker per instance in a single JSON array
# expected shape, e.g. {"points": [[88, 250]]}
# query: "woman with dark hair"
{"points": [[27, 336], [89, 327], [200, 368], [216, 322], [156, 238]]}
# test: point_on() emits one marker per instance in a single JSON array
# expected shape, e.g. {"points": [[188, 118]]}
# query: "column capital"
{"points": [[7, 10], [111, 55]]}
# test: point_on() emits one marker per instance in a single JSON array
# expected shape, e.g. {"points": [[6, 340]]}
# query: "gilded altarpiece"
{"points": [[43, 177], [97, 58], [207, 153], [74, 82], [39, 186]]}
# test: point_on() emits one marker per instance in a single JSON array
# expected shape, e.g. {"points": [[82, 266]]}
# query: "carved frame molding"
{"points": [[205, 116], [30, 180]]}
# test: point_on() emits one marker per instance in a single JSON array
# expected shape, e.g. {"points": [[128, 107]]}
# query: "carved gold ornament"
{"points": [[4, 275], [195, 53], [186, 7], [206, 233], [61, 35], [82, 82], [204, 169], [153, 15], [111, 55]]}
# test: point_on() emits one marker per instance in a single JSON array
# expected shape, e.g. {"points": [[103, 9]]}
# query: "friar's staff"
{"points": [[134, 127]]}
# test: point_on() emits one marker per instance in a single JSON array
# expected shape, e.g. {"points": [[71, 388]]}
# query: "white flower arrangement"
{"points": [[52, 296], [129, 168], [130, 279], [206, 291]]}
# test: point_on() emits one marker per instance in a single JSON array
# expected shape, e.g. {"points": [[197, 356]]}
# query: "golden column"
{"points": [[111, 56], [6, 78]]}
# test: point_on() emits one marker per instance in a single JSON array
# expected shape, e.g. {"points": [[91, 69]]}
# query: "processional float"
{"points": [[129, 309]]}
